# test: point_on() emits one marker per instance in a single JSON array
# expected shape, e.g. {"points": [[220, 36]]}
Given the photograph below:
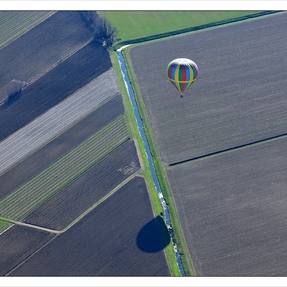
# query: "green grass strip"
{"points": [[156, 205], [4, 225], [161, 173], [29, 196], [138, 24]]}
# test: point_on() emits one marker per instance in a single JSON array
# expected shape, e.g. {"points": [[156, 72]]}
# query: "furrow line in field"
{"points": [[55, 121], [16, 23], [73, 154], [27, 197], [31, 204], [52, 185], [67, 157]]}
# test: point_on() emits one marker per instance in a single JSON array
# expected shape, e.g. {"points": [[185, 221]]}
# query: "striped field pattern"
{"points": [[4, 226], [43, 186], [56, 120], [13, 24]]}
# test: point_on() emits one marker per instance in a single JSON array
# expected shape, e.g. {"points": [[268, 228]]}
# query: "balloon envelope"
{"points": [[182, 72]]}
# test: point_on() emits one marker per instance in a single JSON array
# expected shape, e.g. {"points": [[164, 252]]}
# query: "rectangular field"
{"points": [[43, 47], [103, 243], [13, 24], [234, 210], [74, 73], [57, 119], [41, 159], [236, 100], [70, 202], [18, 243], [4, 225], [225, 142], [21, 202], [136, 24]]}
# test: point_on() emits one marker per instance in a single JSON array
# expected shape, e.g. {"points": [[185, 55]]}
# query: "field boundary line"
{"points": [[77, 49], [59, 62], [175, 263], [29, 256], [129, 44], [42, 141], [100, 201], [141, 175], [231, 149], [154, 199], [39, 188], [199, 28], [139, 153], [80, 217], [32, 226], [2, 232]]}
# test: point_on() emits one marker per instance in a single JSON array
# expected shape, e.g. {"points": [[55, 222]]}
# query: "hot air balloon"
{"points": [[182, 72]]}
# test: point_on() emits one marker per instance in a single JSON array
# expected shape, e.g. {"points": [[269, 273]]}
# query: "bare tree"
{"points": [[103, 32]]}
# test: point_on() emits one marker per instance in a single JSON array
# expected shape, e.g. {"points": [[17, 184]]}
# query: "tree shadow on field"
{"points": [[154, 236]]}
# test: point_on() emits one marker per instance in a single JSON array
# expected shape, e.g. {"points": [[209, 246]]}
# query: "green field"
{"points": [[136, 24], [29, 196], [15, 23]]}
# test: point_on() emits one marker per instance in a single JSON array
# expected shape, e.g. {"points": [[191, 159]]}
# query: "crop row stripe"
{"points": [[43, 186], [51, 183], [64, 158], [84, 156]]}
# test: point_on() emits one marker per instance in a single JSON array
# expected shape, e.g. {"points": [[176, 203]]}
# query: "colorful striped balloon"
{"points": [[182, 72]]}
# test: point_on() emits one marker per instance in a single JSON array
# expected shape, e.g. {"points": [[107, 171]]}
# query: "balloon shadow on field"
{"points": [[154, 236]]}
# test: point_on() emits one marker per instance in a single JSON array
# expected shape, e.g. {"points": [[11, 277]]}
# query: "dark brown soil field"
{"points": [[57, 120], [236, 99], [41, 48], [61, 145], [234, 210], [55, 86], [17, 243], [104, 242], [227, 176], [119, 237], [70, 203]]}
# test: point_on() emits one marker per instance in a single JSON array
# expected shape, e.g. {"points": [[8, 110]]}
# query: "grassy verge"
{"points": [[161, 173], [13, 24], [69, 167], [136, 24], [4, 225], [156, 205]]}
